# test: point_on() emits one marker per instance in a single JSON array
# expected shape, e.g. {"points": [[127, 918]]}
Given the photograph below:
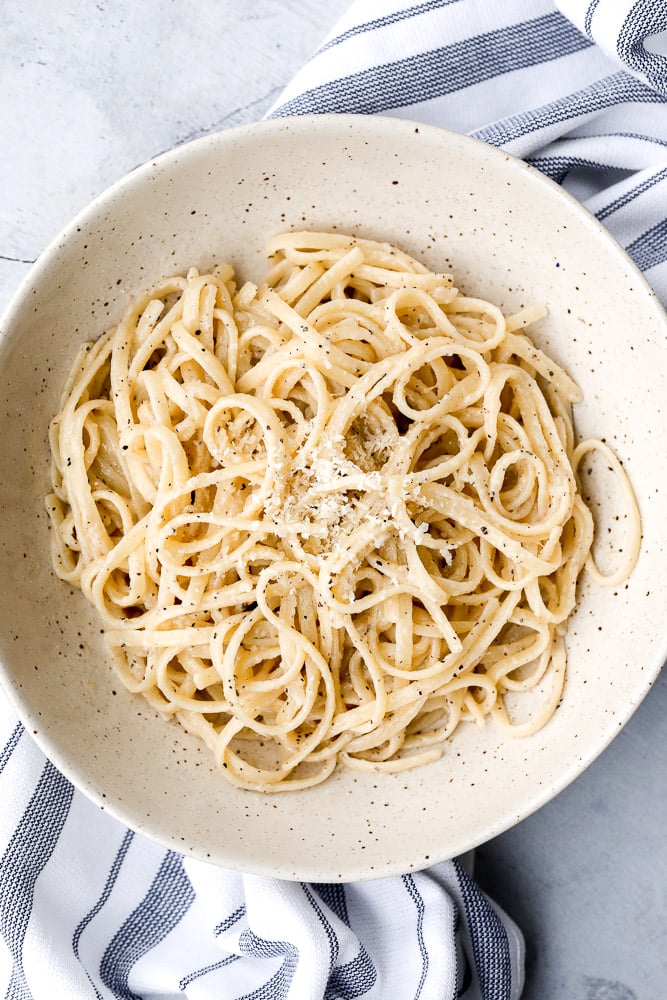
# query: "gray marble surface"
{"points": [[90, 90]]}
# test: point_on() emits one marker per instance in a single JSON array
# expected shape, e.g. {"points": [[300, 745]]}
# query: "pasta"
{"points": [[325, 520]]}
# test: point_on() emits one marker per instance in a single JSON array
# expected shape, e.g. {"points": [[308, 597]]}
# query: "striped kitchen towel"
{"points": [[89, 909], [633, 34]]}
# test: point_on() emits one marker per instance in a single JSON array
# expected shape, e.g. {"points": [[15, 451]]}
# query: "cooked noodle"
{"points": [[325, 520]]}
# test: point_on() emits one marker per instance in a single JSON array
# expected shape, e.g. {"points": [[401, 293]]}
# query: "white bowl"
{"points": [[510, 236]]}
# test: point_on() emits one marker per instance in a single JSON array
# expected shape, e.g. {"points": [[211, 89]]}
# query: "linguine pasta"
{"points": [[326, 520]]}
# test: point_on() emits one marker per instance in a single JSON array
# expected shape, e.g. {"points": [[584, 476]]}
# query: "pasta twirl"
{"points": [[327, 519]]}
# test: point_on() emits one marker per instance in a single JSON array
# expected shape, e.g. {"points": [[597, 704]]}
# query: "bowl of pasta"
{"points": [[330, 544]]}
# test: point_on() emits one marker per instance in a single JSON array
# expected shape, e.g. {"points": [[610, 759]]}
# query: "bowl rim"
{"points": [[305, 123]]}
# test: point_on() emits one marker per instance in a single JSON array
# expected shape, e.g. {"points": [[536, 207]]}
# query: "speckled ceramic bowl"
{"points": [[509, 235]]}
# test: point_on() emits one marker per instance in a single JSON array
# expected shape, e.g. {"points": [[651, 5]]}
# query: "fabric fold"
{"points": [[631, 32]]}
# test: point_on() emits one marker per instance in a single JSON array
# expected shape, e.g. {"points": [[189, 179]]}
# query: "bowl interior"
{"points": [[508, 235]]}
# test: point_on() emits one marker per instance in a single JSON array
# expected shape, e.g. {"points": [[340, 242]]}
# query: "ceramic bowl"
{"points": [[508, 235]]}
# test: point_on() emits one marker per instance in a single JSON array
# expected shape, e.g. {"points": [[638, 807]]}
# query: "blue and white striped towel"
{"points": [[88, 909]]}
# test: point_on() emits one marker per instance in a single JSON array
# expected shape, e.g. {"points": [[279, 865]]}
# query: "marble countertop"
{"points": [[90, 90]]}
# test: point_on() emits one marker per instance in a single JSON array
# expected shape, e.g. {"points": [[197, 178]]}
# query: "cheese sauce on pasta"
{"points": [[325, 520]]}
